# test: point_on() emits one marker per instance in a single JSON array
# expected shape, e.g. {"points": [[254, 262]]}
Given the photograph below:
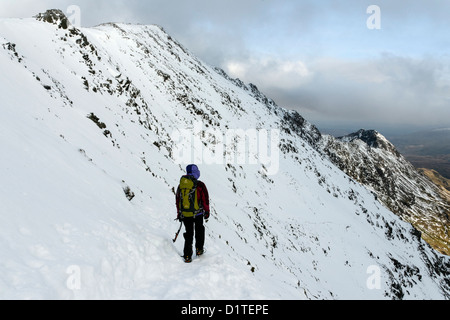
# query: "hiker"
{"points": [[192, 202]]}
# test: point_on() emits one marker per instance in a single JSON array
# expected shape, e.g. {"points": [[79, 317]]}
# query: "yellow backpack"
{"points": [[188, 197]]}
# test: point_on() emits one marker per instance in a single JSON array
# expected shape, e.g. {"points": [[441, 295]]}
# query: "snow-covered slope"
{"points": [[89, 132]]}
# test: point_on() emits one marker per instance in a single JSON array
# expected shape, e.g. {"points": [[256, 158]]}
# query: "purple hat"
{"points": [[192, 170]]}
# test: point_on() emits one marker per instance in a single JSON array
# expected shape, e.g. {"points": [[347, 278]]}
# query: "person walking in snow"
{"points": [[192, 201]]}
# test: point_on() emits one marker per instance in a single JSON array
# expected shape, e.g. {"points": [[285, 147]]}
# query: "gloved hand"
{"points": [[206, 215], [179, 216]]}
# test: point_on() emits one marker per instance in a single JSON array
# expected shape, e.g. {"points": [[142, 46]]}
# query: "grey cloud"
{"points": [[388, 91]]}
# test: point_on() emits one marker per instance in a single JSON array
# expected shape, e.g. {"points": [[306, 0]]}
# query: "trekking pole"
{"points": [[179, 230]]}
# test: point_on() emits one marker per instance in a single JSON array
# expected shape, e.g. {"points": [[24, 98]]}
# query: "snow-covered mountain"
{"points": [[93, 124], [371, 159]]}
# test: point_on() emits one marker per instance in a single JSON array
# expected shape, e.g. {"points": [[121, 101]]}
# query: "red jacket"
{"points": [[202, 196]]}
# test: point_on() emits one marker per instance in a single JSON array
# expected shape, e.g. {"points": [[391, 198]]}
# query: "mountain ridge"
{"points": [[398, 184]]}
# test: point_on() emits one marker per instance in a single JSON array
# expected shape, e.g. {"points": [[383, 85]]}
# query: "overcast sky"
{"points": [[318, 57]]}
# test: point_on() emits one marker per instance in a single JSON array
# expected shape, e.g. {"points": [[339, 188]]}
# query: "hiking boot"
{"points": [[200, 252], [188, 259]]}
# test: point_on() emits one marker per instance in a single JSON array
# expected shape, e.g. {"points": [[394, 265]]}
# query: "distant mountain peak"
{"points": [[368, 157], [372, 138]]}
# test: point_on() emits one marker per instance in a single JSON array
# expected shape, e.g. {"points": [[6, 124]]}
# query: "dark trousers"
{"points": [[191, 225]]}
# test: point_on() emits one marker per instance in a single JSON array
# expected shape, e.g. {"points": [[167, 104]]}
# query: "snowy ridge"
{"points": [[368, 157], [88, 178]]}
